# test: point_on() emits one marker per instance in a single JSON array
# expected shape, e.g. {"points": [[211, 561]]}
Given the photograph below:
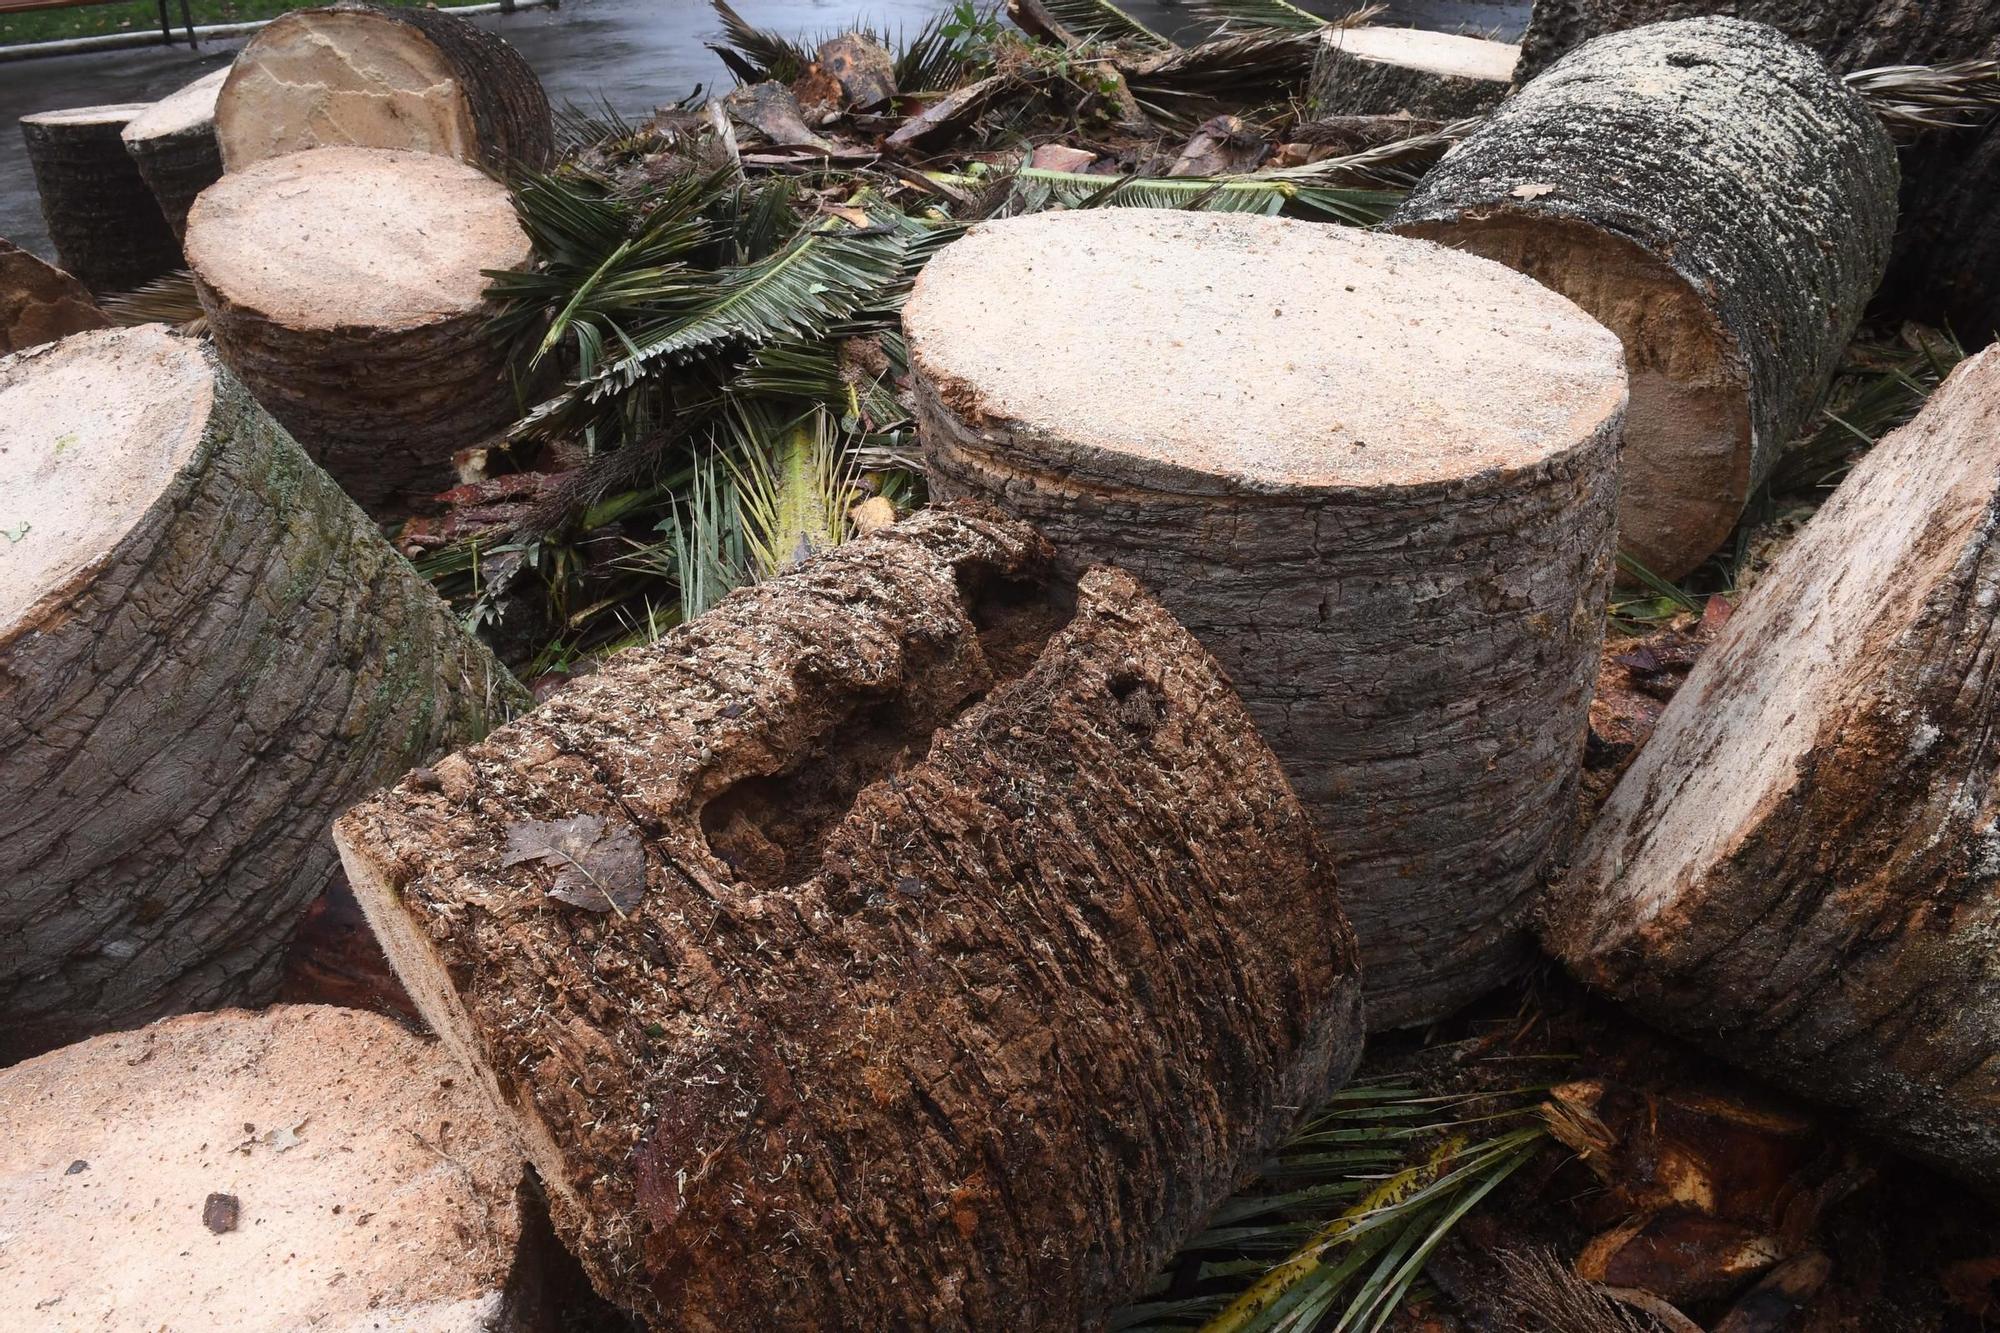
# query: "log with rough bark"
{"points": [[1365, 71], [206, 651], [40, 303], [1801, 870], [1850, 34], [1375, 476], [102, 218], [346, 286], [364, 77], [912, 941], [173, 145], [303, 1167], [1725, 205]]}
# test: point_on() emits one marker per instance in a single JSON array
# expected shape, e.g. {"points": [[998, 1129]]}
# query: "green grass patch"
{"points": [[47, 25]]}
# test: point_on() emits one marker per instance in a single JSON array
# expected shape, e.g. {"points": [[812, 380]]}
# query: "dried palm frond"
{"points": [[1546, 1295], [1076, 22], [1915, 99], [1242, 68], [1277, 14], [167, 299], [755, 54], [1036, 189]]}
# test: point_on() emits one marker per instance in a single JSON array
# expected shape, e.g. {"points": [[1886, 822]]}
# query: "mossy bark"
{"points": [[971, 943], [1801, 870], [106, 226], [180, 723]]}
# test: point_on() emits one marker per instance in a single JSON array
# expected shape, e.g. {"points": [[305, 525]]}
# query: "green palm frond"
{"points": [[702, 550], [796, 485], [754, 54], [948, 50], [1276, 15], [1102, 21], [1037, 189]]}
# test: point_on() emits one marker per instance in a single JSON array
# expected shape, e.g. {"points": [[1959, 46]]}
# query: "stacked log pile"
{"points": [[174, 146], [1374, 475], [846, 956], [205, 652], [304, 1167], [1800, 869], [107, 228], [360, 76], [346, 286], [1732, 247]]}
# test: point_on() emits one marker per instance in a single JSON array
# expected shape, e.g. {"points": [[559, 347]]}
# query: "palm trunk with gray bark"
{"points": [[106, 226]]}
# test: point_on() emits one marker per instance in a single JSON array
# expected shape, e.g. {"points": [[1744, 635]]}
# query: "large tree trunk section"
{"points": [[205, 652], [1720, 201], [358, 76], [1799, 871], [346, 286], [1850, 34], [1947, 268], [107, 227], [1431, 75], [173, 144], [1374, 476], [40, 303], [909, 942], [304, 1167]]}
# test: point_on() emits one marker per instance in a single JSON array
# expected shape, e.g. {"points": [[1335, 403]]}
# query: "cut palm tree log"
{"points": [[206, 651], [106, 226], [1369, 71], [346, 286], [914, 940], [1725, 205], [1801, 870], [365, 77], [1850, 34], [40, 303], [1376, 477], [173, 144], [303, 1167]]}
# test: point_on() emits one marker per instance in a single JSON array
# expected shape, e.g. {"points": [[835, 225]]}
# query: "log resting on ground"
{"points": [[40, 303], [912, 941], [1374, 476], [346, 286], [173, 145], [1368, 71], [303, 1167], [1720, 201], [101, 216], [1801, 870], [206, 651], [365, 77]]}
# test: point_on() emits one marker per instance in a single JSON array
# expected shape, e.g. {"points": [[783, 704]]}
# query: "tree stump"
{"points": [[912, 941], [302, 1167], [1720, 201], [173, 145], [1374, 476], [1801, 870], [359, 76], [1366, 71], [101, 216], [40, 303], [205, 652], [346, 287]]}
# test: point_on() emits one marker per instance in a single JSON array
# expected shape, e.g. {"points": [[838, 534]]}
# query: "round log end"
{"points": [[92, 430], [354, 238], [189, 108], [1205, 353], [119, 114], [303, 1166], [1447, 55]]}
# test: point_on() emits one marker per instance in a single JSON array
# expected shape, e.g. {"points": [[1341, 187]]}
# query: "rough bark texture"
{"points": [[1720, 201], [175, 149], [1343, 84], [1415, 639], [380, 381], [303, 1167], [181, 718], [40, 303], [1801, 870], [970, 945], [316, 77], [1850, 34], [101, 216]]}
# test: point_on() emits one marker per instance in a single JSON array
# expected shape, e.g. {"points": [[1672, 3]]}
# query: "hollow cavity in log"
{"points": [[1373, 475]]}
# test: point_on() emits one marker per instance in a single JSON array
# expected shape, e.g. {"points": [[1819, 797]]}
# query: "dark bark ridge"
{"points": [[180, 722], [981, 943], [1801, 871], [106, 226], [1728, 154]]}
